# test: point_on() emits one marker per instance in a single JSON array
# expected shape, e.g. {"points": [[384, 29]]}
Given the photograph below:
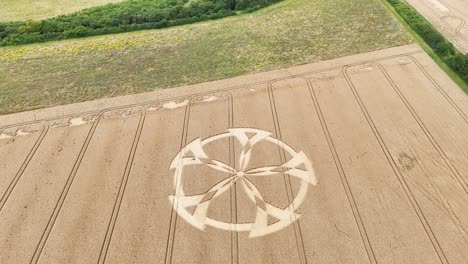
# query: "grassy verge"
{"points": [[288, 33], [125, 16], [452, 61]]}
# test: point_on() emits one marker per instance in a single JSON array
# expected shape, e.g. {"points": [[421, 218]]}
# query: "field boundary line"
{"points": [[425, 72], [174, 216], [24, 165], [422, 218], [233, 88], [458, 28], [459, 179], [344, 179], [122, 188], [286, 178], [233, 188], [430, 38], [64, 193], [423, 127], [439, 88]]}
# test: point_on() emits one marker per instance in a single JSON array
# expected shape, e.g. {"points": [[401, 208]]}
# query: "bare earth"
{"points": [[373, 168], [449, 16]]}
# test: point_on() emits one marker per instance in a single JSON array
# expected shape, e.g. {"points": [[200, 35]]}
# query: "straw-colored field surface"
{"points": [[362, 159], [18, 10], [448, 16]]}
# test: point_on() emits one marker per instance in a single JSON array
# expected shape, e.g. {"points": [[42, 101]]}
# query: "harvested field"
{"points": [[449, 17], [17, 10], [127, 181], [289, 33]]}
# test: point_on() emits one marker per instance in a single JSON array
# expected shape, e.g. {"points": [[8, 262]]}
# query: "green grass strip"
{"points": [[449, 58], [124, 16]]}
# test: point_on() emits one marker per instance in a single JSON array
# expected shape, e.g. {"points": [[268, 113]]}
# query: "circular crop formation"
{"points": [[193, 154]]}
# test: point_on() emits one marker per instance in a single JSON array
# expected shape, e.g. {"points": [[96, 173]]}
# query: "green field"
{"points": [[288, 33], [17, 10], [123, 17]]}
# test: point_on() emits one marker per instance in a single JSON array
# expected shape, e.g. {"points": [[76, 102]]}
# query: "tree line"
{"points": [[444, 49], [123, 17]]}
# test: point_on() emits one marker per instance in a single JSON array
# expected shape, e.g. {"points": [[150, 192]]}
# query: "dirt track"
{"points": [[385, 133], [449, 16]]}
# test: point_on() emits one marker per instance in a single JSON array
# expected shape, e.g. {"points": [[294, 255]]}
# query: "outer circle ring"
{"points": [[239, 227]]}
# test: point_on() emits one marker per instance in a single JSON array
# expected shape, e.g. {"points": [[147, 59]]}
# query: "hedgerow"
{"points": [[450, 55], [123, 17]]}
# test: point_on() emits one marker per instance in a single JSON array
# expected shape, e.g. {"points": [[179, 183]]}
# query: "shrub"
{"points": [[459, 64], [30, 27], [79, 31], [121, 17], [445, 50]]}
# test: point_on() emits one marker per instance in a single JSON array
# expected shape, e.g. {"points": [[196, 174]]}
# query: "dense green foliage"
{"points": [[122, 17], [457, 61]]}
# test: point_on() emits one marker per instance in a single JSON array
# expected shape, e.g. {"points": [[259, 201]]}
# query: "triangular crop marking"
{"points": [[289, 168], [199, 158], [193, 154], [247, 142]]}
